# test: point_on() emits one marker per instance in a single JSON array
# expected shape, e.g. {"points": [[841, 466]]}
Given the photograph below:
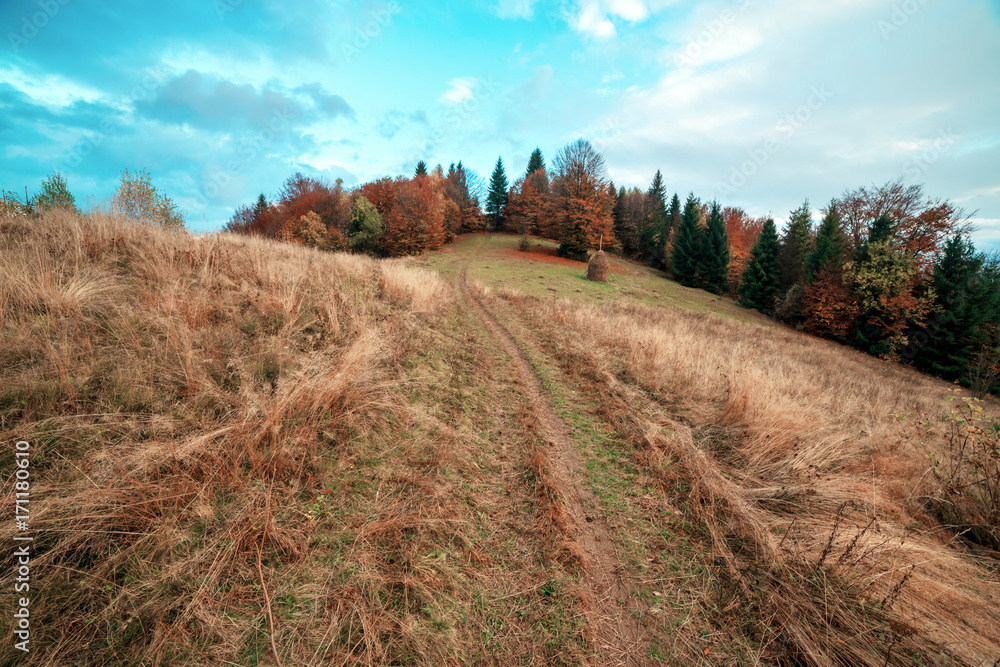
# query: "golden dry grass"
{"points": [[768, 430], [253, 453]]}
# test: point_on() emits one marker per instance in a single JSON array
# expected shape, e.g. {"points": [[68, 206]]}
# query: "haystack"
{"points": [[598, 268]]}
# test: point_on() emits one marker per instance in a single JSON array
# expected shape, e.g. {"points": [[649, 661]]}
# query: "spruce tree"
{"points": [[828, 247], [421, 169], [966, 305], [260, 208], [687, 244], [794, 248], [654, 233], [713, 260], [496, 199], [759, 284], [535, 162]]}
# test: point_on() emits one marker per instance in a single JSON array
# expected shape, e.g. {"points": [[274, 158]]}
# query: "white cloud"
{"points": [[515, 9], [461, 90], [594, 17], [50, 90]]}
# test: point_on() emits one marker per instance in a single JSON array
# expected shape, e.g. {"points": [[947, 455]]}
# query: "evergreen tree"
{"points": [[675, 212], [829, 246], [53, 195], [535, 162], [421, 169], [496, 199], [260, 208], [654, 233], [759, 284], [687, 244], [880, 232], [713, 260], [794, 248], [966, 308]]}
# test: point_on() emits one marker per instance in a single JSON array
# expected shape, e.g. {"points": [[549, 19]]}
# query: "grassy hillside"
{"points": [[252, 453]]}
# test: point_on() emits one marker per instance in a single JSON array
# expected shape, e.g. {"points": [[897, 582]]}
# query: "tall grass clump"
{"points": [[181, 395]]}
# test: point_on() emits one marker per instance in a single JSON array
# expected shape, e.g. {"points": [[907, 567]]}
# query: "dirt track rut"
{"points": [[619, 637]]}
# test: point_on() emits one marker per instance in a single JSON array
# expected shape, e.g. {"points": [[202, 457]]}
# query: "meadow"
{"points": [[249, 452]]}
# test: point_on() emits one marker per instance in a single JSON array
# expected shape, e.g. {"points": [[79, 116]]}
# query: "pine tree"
{"points": [[54, 195], [759, 283], [687, 244], [794, 248], [966, 303], [260, 208], [496, 199], [881, 231], [535, 162], [654, 232], [829, 246], [713, 260], [421, 169]]}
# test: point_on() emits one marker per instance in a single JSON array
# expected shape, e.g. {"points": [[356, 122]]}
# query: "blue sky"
{"points": [[757, 103]]}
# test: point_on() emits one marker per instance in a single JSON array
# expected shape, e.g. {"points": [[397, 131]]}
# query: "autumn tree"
{"points": [[496, 199], [54, 195], [416, 220], [136, 198], [759, 283], [713, 256], [381, 193], [300, 194], [687, 244], [580, 207], [742, 230], [365, 228], [923, 224], [527, 203], [890, 299]]}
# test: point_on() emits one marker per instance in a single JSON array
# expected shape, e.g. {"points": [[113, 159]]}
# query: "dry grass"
{"points": [[783, 449], [179, 393], [255, 453]]}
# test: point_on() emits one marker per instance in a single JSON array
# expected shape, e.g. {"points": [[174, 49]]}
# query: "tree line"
{"points": [[886, 269]]}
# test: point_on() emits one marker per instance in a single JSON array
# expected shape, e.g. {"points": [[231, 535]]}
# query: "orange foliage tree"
{"points": [[580, 208], [922, 224], [527, 204], [831, 307], [743, 232]]}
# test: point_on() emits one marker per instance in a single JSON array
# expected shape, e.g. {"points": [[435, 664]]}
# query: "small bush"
{"points": [[968, 473]]}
